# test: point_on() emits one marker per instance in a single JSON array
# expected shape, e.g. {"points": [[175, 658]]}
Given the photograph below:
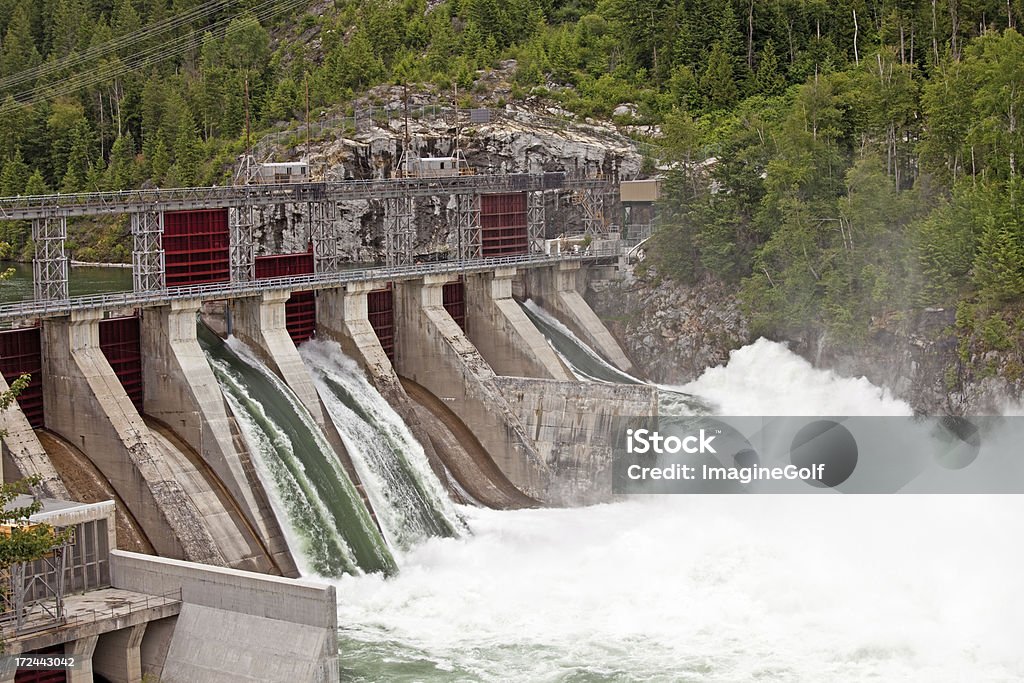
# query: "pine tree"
{"points": [[14, 175], [121, 169], [187, 158], [767, 79], [19, 48], [718, 85], [36, 184], [79, 161]]}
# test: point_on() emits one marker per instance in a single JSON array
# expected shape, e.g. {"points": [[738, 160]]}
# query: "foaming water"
{"points": [[710, 588], [766, 378], [410, 502]]}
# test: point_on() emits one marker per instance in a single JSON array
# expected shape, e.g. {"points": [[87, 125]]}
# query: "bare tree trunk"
{"points": [[792, 49], [856, 29], [954, 30], [903, 52], [935, 31], [750, 36]]}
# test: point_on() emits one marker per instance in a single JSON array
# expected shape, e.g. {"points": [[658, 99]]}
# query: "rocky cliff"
{"points": [[674, 331]]}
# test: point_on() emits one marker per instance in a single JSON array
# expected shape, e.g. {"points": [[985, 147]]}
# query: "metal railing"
{"points": [[90, 616], [185, 198], [236, 290]]}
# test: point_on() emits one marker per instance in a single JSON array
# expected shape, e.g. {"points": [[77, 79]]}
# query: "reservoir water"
{"points": [[82, 280]]}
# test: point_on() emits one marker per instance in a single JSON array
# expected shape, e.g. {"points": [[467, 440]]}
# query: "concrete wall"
{"points": [[86, 404], [557, 289], [182, 391], [432, 351], [571, 424], [502, 332], [23, 455], [234, 625]]}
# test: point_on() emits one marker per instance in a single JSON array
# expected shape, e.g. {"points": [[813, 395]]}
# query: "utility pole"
{"points": [[307, 121], [248, 147]]}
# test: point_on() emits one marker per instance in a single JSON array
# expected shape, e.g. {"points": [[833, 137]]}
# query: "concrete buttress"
{"points": [[555, 289], [23, 455], [432, 351], [87, 405], [502, 332], [182, 391]]}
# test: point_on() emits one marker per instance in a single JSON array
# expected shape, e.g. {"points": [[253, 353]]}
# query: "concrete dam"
{"points": [[284, 415]]}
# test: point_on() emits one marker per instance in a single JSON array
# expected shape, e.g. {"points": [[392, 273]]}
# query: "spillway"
{"points": [[329, 528], [409, 501]]}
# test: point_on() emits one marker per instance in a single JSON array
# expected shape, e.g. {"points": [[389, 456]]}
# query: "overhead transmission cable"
{"points": [[114, 45], [147, 57]]}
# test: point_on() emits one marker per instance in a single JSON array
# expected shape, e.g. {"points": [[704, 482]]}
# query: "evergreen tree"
{"points": [[19, 51], [36, 184], [14, 175], [120, 173], [718, 85], [767, 79]]}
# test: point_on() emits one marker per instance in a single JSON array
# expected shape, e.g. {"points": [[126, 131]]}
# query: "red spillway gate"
{"points": [[300, 309], [380, 308], [21, 354], [453, 296], [503, 224], [119, 341], [196, 247]]}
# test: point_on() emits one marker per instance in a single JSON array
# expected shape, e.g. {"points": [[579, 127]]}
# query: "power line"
{"points": [[148, 57], [114, 45]]}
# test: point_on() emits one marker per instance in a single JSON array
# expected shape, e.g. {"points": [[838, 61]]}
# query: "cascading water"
{"points": [[311, 492], [588, 366], [710, 588], [409, 501]]}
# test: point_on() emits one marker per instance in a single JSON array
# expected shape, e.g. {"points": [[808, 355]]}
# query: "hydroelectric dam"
{"points": [[299, 414]]}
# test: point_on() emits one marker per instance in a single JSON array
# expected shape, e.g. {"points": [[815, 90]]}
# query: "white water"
{"points": [[312, 512], [290, 506], [710, 588], [410, 502]]}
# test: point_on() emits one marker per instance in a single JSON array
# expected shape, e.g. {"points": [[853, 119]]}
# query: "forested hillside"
{"points": [[865, 152]]}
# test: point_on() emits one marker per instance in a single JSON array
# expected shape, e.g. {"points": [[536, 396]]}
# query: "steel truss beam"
{"points": [[468, 226], [590, 200], [323, 233], [536, 220], [50, 265], [399, 233], [243, 249], [148, 263]]}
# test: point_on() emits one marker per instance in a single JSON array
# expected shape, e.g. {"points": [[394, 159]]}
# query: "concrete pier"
{"points": [[502, 332], [555, 288], [260, 323], [23, 454], [432, 351], [182, 391], [87, 405]]}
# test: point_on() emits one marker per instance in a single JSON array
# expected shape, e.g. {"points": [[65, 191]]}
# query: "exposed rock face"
{"points": [[673, 332], [516, 140]]}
